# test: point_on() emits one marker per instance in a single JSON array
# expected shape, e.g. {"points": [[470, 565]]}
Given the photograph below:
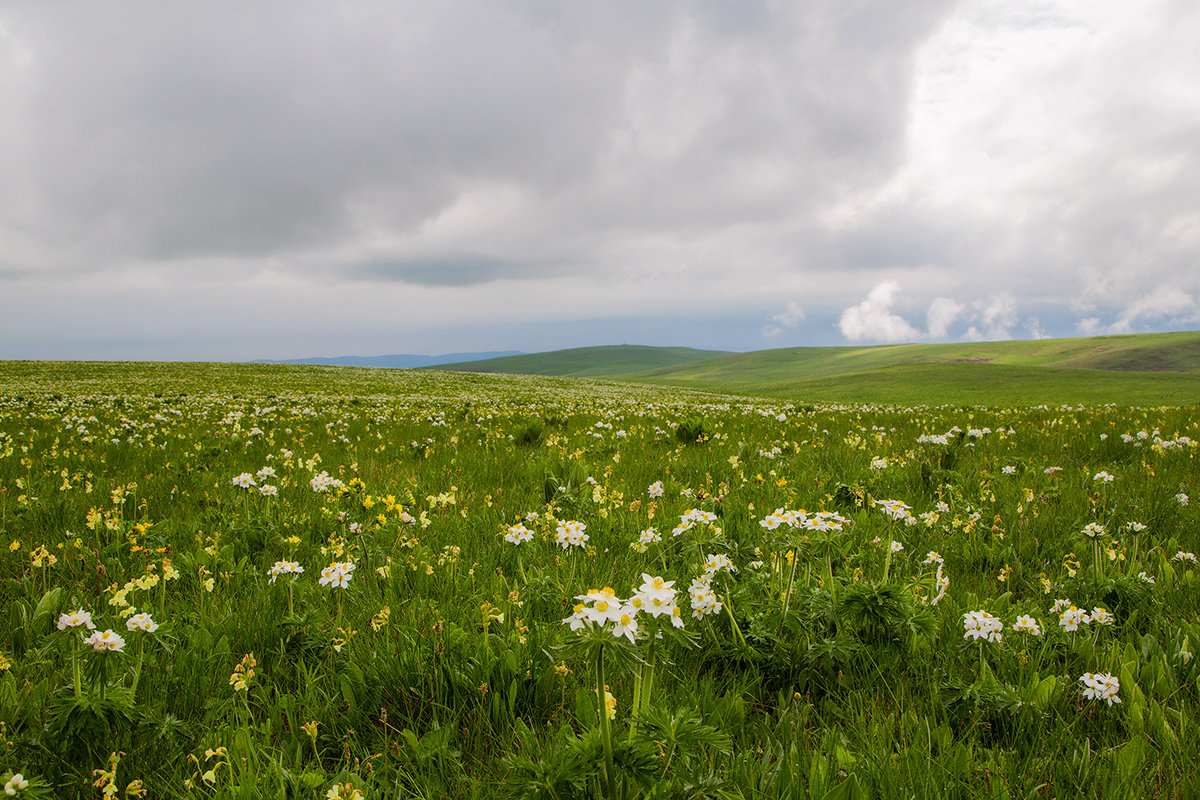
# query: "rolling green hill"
{"points": [[1136, 369], [589, 362]]}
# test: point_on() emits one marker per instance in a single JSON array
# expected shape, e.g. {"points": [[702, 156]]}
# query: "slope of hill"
{"points": [[1135, 369], [1147, 352], [590, 362]]}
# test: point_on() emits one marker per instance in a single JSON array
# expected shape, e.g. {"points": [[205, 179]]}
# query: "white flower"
{"points": [[16, 783], [656, 489], [1009, 470], [1101, 616], [322, 482], [649, 536], [1182, 498], [266, 472], [267, 490], [570, 534], [141, 622], [244, 481], [704, 600], [1182, 556], [656, 595], [517, 534], [577, 619], [895, 509], [76, 619], [896, 547], [1103, 477], [1094, 529], [715, 563], [982, 625], [1072, 618], [1101, 686], [1027, 624], [676, 617], [337, 574], [284, 568], [107, 641], [626, 623]]}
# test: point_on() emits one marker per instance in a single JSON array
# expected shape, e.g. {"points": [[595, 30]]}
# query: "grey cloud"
{"points": [[175, 131], [439, 271]]}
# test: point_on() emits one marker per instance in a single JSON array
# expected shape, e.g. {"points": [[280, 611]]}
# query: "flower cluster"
{"points": [[818, 521], [141, 622], [692, 518], [245, 481], [76, 619], [570, 534], [106, 641], [982, 625], [337, 574], [897, 510], [292, 568], [1101, 686], [516, 534], [16, 783], [322, 483], [243, 673], [655, 597]]}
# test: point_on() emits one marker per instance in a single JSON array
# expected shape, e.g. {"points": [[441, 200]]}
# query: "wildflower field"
{"points": [[239, 581]]}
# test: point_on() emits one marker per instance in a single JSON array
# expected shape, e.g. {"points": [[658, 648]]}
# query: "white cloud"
{"points": [[790, 317], [942, 312], [1164, 303], [872, 319]]}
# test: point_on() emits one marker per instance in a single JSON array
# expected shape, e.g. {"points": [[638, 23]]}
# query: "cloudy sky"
{"points": [[235, 181]]}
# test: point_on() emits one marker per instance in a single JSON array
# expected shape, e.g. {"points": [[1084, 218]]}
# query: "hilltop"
{"points": [[1135, 369]]}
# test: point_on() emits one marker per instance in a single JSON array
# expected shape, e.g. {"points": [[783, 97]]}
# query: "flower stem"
{"points": [[605, 726]]}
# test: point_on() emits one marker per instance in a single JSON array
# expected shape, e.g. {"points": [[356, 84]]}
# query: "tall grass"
{"points": [[828, 662]]}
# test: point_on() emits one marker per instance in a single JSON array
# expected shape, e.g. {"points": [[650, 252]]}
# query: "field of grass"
{"points": [[245, 581], [1138, 369], [994, 385]]}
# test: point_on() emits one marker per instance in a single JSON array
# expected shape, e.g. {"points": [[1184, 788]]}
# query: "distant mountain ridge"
{"points": [[398, 361]]}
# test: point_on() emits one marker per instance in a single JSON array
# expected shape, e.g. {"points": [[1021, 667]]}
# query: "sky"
{"points": [[234, 181]]}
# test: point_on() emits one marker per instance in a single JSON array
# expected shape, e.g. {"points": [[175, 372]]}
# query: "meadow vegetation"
{"points": [[1144, 369], [244, 581]]}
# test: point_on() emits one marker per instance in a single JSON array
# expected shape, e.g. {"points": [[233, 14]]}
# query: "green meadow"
{"points": [[1138, 369], [276, 581]]}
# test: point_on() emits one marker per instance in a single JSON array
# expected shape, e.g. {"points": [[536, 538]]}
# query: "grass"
{"points": [[588, 362], [813, 660], [993, 385], [1139, 369]]}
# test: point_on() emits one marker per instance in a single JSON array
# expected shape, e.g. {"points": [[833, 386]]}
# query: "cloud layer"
{"points": [[298, 178]]}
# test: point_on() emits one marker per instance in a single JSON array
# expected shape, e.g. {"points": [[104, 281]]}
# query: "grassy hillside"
{"points": [[1154, 352], [1138, 369], [974, 384], [585, 362], [1142, 369]]}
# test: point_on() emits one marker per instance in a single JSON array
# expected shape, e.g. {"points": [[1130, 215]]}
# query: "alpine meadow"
{"points": [[286, 581]]}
